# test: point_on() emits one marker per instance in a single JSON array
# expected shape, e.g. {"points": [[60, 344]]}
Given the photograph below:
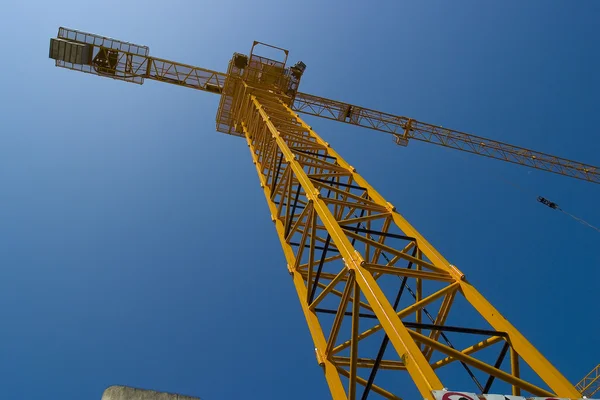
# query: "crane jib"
{"points": [[129, 62]]}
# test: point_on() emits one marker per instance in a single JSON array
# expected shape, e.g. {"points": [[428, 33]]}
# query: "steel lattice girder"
{"points": [[341, 239]]}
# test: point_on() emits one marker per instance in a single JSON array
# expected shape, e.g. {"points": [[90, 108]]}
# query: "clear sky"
{"points": [[136, 247]]}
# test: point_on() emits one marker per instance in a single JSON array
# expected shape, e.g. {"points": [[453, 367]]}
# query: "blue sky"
{"points": [[135, 244]]}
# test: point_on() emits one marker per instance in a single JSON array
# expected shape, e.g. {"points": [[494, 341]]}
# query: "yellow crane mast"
{"points": [[376, 295]]}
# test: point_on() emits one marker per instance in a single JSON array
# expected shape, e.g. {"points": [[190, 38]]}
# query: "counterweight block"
{"points": [[99, 55]]}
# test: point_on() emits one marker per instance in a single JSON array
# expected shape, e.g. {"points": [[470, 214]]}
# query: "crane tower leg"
{"points": [[348, 251]]}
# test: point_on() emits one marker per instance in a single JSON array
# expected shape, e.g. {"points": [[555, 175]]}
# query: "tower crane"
{"points": [[380, 302]]}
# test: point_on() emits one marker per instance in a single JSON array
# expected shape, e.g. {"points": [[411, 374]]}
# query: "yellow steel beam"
{"points": [[339, 316], [549, 374], [481, 365], [338, 278], [261, 126], [346, 215], [405, 312], [590, 384], [354, 346], [405, 129], [419, 313], [331, 375], [515, 370], [375, 388], [132, 63], [440, 320], [469, 350], [265, 120], [369, 363], [411, 273], [135, 65]]}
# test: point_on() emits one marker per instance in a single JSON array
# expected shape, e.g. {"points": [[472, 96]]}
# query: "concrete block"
{"points": [[129, 393]]}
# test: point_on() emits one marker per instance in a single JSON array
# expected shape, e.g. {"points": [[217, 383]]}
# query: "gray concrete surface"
{"points": [[129, 393]]}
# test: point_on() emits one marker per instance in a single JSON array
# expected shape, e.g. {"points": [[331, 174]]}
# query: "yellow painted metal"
{"points": [[470, 350], [132, 63], [341, 239], [376, 389], [419, 313], [405, 129], [440, 320], [413, 308], [263, 131], [369, 363], [409, 273], [515, 370], [333, 380], [590, 384], [553, 378], [354, 346], [271, 124], [539, 364], [482, 366]]}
